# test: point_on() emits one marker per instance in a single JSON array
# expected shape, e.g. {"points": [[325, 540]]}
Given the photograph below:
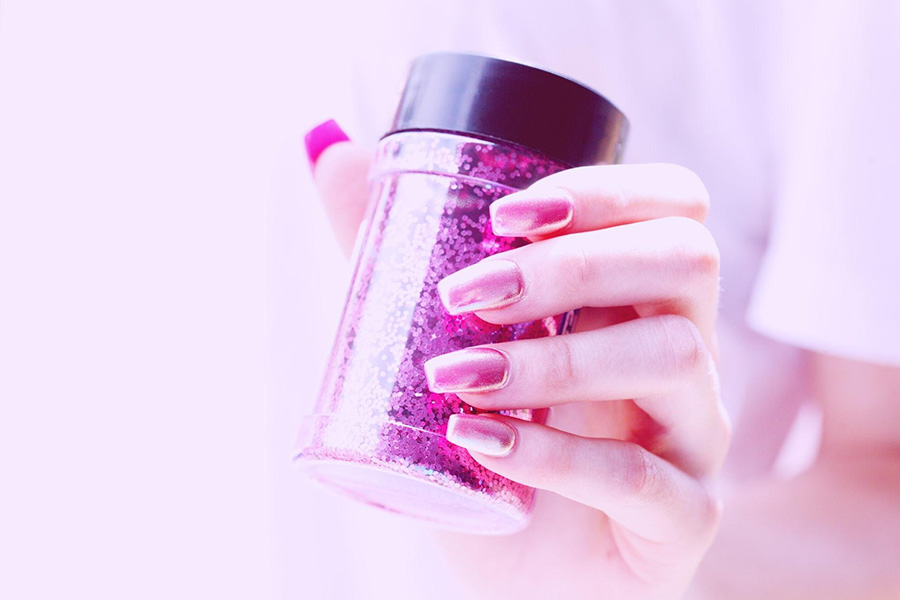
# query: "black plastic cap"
{"points": [[510, 102]]}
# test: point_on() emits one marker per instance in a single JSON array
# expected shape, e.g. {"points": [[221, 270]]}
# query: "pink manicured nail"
{"points": [[524, 215], [486, 285], [486, 435], [320, 138], [469, 370]]}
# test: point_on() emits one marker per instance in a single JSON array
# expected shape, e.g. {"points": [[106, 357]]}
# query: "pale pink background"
{"points": [[145, 150]]}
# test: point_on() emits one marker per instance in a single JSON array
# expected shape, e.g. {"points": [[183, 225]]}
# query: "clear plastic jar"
{"points": [[378, 431]]}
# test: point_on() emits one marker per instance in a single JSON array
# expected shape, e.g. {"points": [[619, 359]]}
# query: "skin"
{"points": [[636, 438]]}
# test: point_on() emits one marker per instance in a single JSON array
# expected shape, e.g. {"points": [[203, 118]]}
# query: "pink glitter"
{"points": [[379, 433]]}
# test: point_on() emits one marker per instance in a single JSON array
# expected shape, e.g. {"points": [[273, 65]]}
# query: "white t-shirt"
{"points": [[786, 112]]}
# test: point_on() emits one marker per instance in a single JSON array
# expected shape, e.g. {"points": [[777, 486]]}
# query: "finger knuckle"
{"points": [[696, 251], [562, 364], [726, 426], [720, 440], [689, 185], [644, 479], [711, 513], [684, 350], [563, 455], [574, 266]]}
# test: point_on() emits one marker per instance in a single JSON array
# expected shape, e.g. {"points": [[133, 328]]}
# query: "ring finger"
{"points": [[660, 362]]}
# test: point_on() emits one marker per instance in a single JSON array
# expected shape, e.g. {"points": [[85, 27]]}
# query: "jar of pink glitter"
{"points": [[469, 130]]}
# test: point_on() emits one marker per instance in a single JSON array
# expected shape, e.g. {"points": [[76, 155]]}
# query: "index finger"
{"points": [[590, 198]]}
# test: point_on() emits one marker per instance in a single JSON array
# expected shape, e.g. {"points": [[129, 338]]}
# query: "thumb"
{"points": [[339, 168]]}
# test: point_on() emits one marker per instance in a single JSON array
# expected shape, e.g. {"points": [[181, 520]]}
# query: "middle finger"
{"points": [[662, 266]]}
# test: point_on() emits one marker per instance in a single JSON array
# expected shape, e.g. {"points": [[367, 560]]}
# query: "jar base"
{"points": [[414, 494], [440, 506]]}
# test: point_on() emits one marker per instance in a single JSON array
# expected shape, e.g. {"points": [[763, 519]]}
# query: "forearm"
{"points": [[832, 533]]}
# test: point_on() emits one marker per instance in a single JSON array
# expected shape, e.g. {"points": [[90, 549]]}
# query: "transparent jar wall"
{"points": [[378, 432]]}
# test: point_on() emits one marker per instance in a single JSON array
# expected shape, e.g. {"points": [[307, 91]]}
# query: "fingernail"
{"points": [[486, 285], [320, 138], [469, 370], [486, 435], [524, 215]]}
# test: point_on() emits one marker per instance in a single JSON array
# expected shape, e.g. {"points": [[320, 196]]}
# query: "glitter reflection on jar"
{"points": [[378, 433]]}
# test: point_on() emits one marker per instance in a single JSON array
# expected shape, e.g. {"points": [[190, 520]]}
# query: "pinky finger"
{"points": [[637, 489], [339, 168]]}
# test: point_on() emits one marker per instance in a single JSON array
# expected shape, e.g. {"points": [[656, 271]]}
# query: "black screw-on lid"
{"points": [[511, 102]]}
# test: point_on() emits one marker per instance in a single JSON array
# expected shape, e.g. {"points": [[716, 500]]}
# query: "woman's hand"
{"points": [[636, 429]]}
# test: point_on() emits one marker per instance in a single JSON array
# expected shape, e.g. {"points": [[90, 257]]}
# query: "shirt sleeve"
{"points": [[830, 279]]}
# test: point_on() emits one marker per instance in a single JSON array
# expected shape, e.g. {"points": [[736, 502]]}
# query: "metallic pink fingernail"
{"points": [[486, 285], [524, 215], [486, 435], [320, 138], [468, 370]]}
